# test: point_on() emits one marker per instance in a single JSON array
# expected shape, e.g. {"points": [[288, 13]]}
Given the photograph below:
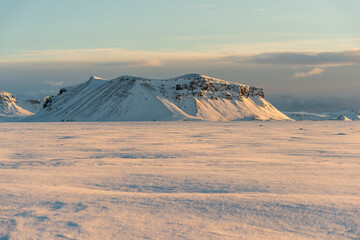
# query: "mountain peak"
{"points": [[8, 107], [95, 78], [191, 76], [130, 77], [6, 97]]}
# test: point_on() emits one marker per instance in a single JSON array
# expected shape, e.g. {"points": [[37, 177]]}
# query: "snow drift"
{"points": [[187, 97]]}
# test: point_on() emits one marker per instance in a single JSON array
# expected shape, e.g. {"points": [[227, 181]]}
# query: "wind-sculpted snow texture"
{"points": [[180, 180], [9, 108], [188, 97]]}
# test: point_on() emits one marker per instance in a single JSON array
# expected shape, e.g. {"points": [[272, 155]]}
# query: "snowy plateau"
{"points": [[187, 97]]}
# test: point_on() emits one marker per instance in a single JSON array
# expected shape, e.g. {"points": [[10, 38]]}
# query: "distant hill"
{"points": [[348, 115]]}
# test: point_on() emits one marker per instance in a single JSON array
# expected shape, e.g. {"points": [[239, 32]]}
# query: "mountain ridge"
{"points": [[186, 97]]}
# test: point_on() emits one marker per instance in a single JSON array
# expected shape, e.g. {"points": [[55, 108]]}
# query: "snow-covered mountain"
{"points": [[187, 97], [9, 108], [348, 115], [32, 105]]}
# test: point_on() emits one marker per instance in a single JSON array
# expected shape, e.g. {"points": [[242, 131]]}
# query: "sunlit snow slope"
{"points": [[187, 97], [9, 108]]}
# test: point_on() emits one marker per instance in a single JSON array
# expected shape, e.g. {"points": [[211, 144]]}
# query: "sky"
{"points": [[305, 54]]}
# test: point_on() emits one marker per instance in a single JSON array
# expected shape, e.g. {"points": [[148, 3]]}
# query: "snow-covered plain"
{"points": [[180, 180]]}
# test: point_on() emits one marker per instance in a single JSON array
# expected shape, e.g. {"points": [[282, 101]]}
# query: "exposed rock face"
{"points": [[202, 86], [9, 108], [188, 97]]}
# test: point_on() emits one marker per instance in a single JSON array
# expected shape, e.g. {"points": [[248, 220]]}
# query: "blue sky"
{"points": [[304, 49]]}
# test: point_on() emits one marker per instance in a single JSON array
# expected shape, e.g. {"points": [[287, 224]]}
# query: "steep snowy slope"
{"points": [[8, 107], [187, 97]]}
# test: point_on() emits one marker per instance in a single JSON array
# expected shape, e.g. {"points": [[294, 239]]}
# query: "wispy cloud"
{"points": [[318, 45], [107, 56], [324, 59], [54, 83], [129, 58], [150, 62], [314, 71]]}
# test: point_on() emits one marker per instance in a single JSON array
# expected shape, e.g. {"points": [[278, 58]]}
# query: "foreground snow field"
{"points": [[180, 180]]}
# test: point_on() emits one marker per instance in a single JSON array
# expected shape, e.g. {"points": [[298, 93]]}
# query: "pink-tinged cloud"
{"points": [[154, 62], [110, 56], [314, 71], [133, 59]]}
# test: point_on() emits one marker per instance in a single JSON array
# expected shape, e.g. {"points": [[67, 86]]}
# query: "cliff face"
{"points": [[188, 97]]}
